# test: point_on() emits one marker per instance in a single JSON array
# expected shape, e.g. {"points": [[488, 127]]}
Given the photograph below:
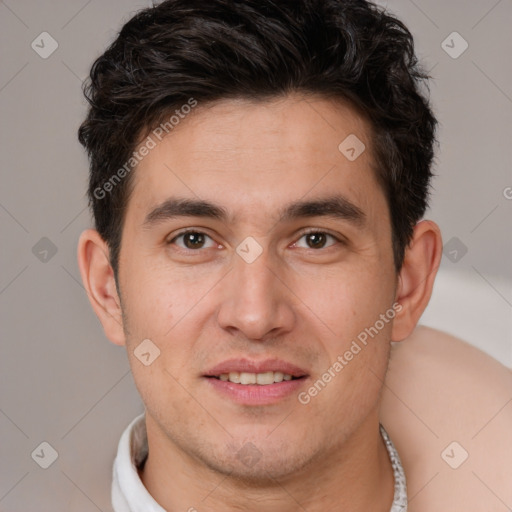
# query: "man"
{"points": [[259, 172]]}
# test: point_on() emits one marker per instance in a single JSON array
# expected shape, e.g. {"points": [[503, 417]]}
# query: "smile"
{"points": [[262, 379]]}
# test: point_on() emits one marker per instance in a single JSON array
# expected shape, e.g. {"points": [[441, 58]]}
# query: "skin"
{"points": [[438, 390], [300, 304]]}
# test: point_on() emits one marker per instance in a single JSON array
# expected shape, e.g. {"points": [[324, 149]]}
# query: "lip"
{"points": [[256, 394], [246, 365]]}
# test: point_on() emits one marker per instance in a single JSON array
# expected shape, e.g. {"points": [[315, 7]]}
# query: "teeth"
{"points": [[247, 378], [265, 378], [262, 379], [278, 376], [234, 377]]}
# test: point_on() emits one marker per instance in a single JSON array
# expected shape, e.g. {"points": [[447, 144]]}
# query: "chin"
{"points": [[257, 467]]}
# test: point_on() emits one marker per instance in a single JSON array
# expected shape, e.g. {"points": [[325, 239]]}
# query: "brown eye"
{"points": [[193, 240], [316, 240]]}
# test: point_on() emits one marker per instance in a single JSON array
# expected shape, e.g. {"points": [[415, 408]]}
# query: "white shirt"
{"points": [[130, 495], [128, 491]]}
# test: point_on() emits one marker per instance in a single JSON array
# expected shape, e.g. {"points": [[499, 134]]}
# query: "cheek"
{"points": [[149, 308], [156, 298], [347, 300], [358, 342], [164, 307]]}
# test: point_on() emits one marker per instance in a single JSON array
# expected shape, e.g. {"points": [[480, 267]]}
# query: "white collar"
{"points": [[128, 491], [130, 495]]}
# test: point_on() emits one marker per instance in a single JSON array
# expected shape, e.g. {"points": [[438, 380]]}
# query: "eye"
{"points": [[316, 240], [193, 240]]}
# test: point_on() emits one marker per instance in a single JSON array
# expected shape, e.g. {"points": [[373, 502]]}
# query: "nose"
{"points": [[256, 302]]}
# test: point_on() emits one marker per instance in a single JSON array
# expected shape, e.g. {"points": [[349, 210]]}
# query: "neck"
{"points": [[356, 476]]}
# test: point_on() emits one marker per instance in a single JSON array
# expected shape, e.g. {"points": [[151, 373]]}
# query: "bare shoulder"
{"points": [[455, 363], [448, 408]]}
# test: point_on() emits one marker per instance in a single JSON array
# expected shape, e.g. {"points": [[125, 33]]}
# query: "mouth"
{"points": [[245, 371], [261, 379], [256, 383]]}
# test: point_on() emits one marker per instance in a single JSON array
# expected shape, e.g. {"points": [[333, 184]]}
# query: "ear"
{"points": [[416, 277], [98, 278]]}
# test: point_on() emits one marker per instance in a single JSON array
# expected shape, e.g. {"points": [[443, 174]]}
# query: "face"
{"points": [[253, 244]]}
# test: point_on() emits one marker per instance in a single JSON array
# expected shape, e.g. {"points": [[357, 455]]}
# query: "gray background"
{"points": [[61, 381]]}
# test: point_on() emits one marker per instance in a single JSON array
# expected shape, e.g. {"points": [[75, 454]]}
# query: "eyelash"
{"points": [[313, 231], [186, 232], [310, 231]]}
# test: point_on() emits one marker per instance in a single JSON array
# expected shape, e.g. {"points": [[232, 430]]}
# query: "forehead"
{"points": [[253, 157]]}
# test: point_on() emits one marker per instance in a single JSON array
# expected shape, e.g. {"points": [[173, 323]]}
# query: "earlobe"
{"points": [[99, 282], [416, 279]]}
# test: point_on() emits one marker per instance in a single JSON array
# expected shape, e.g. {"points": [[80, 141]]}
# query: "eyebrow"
{"points": [[337, 207], [180, 207]]}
